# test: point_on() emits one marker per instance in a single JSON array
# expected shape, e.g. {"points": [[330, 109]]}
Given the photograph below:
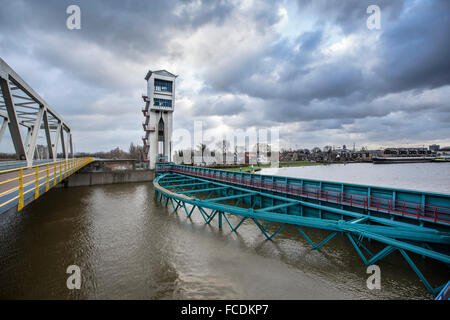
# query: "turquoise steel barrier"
{"points": [[389, 216], [417, 205]]}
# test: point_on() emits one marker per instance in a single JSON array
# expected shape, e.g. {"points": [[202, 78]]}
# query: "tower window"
{"points": [[163, 86], [164, 103]]}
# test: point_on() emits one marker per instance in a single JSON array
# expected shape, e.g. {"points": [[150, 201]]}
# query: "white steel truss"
{"points": [[22, 107]]}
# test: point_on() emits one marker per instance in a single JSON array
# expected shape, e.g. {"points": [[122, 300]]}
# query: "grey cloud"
{"points": [[412, 55], [98, 71], [416, 48], [350, 15], [219, 106]]}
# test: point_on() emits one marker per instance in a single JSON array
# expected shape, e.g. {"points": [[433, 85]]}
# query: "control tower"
{"points": [[159, 106]]}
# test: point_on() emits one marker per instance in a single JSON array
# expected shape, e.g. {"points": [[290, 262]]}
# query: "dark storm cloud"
{"points": [[412, 54], [126, 27], [416, 48], [334, 74], [91, 63], [349, 15]]}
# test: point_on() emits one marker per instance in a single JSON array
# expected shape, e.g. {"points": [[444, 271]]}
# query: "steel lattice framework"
{"points": [[147, 129], [220, 199], [21, 107]]}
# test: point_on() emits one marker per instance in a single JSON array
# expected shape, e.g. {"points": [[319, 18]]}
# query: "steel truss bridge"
{"points": [[22, 108], [410, 222], [25, 114]]}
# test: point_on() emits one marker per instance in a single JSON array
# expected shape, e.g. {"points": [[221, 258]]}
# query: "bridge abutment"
{"points": [[82, 179]]}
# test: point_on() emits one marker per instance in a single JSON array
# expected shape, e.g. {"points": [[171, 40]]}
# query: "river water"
{"points": [[128, 246], [430, 176]]}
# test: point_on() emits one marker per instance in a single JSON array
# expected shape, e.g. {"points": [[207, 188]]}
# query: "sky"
{"points": [[313, 70]]}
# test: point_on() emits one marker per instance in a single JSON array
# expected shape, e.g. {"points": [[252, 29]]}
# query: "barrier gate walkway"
{"points": [[406, 226]]}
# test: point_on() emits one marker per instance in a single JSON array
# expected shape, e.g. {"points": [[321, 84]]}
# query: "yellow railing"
{"points": [[36, 176]]}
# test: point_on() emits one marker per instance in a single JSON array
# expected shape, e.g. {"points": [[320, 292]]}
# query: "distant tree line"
{"points": [[134, 152], [7, 156], [222, 152]]}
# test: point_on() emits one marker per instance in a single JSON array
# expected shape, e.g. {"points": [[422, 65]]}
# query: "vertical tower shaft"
{"points": [[158, 111]]}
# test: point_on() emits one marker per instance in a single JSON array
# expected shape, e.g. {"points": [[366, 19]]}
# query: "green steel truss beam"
{"points": [[177, 180], [202, 190], [187, 185], [313, 245], [232, 197], [280, 206]]}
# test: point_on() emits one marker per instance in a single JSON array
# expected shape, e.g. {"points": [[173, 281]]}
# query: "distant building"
{"points": [[406, 152], [434, 147], [250, 158]]}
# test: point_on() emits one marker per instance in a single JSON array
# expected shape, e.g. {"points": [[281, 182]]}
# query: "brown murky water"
{"points": [[129, 246]]}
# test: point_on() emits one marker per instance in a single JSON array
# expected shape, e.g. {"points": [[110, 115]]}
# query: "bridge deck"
{"points": [[8, 165], [22, 184]]}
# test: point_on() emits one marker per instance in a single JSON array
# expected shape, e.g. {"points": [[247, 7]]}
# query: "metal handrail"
{"points": [[402, 207], [55, 172]]}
